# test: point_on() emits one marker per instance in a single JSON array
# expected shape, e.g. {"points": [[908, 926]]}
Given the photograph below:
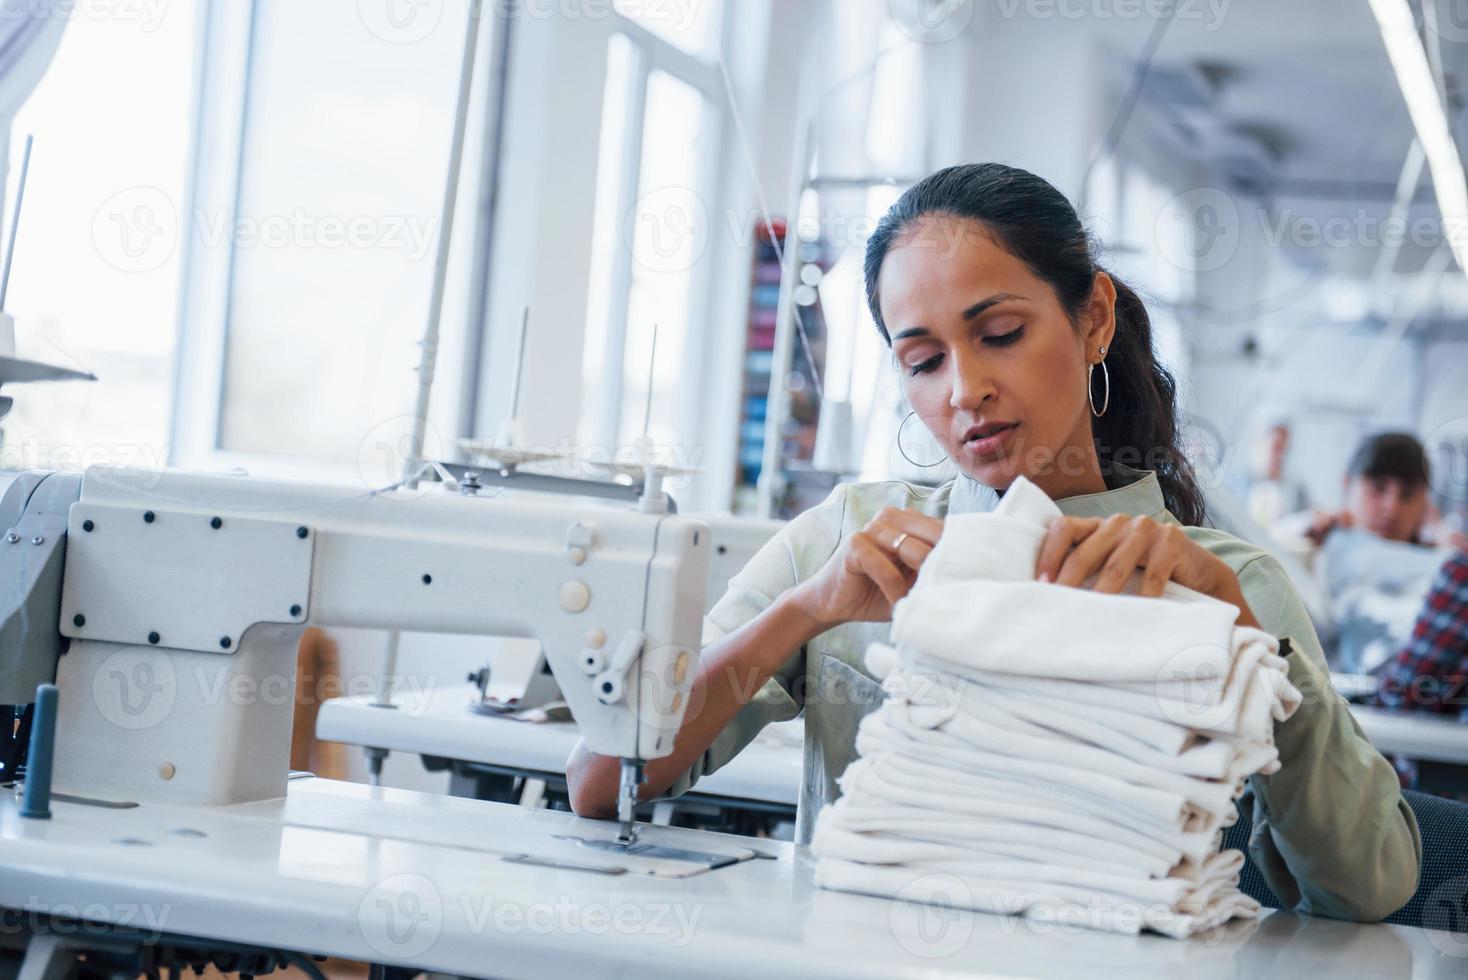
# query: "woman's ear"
{"points": [[1101, 316]]}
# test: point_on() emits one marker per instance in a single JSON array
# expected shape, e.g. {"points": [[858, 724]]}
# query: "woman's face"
{"points": [[988, 358]]}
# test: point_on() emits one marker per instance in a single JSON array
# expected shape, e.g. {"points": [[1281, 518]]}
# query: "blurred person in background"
{"points": [[1430, 672], [1273, 491], [1371, 557]]}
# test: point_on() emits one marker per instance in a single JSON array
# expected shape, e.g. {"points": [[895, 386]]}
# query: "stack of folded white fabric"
{"points": [[1050, 751]]}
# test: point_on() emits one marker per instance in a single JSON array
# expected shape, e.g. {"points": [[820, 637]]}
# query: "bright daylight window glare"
{"points": [[690, 24], [95, 280], [665, 252], [345, 153]]}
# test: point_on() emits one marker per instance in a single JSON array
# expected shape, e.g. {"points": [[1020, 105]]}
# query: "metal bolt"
{"points": [[78, 620], [12, 537], [38, 540], [153, 638], [148, 517], [301, 532], [216, 523], [88, 526], [225, 642], [295, 611]]}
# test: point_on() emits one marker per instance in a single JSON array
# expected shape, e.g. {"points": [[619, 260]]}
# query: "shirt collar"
{"points": [[1140, 495]]}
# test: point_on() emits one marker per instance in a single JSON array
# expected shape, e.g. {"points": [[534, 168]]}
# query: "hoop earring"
{"points": [[914, 462], [1091, 391]]}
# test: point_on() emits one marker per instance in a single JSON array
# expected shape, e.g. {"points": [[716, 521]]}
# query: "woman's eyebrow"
{"points": [[984, 304], [968, 314]]}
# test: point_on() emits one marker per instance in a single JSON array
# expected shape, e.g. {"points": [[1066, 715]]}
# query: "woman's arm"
{"points": [[730, 701], [1332, 833], [730, 672]]}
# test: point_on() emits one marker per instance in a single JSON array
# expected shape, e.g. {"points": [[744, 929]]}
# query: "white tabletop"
{"points": [[439, 722], [1416, 734], [417, 879]]}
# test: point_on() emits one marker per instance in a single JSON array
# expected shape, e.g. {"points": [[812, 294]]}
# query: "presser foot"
{"points": [[659, 859]]}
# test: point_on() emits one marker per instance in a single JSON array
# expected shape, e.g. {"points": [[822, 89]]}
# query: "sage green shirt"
{"points": [[1331, 833]]}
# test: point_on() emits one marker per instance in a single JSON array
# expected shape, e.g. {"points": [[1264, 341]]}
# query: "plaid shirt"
{"points": [[1431, 672]]}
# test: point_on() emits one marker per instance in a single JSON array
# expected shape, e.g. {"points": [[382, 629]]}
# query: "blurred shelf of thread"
{"points": [[801, 487]]}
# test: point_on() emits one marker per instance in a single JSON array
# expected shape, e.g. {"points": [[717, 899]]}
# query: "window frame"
{"points": [[651, 53]]}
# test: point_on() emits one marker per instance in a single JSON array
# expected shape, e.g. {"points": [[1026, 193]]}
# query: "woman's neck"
{"points": [[1071, 472]]}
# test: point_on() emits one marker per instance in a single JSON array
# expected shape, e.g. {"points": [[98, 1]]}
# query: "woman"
{"points": [[982, 281]]}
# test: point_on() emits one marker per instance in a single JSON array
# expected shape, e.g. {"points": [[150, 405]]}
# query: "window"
{"points": [[691, 27], [113, 227], [316, 235], [652, 226]]}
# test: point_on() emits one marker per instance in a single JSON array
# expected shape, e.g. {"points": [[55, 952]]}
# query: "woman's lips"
{"points": [[992, 442]]}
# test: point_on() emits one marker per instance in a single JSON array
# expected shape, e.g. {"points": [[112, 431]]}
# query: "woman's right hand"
{"points": [[870, 571]]}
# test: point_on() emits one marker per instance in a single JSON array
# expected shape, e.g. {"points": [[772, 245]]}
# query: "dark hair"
{"points": [[1034, 222], [1391, 455]]}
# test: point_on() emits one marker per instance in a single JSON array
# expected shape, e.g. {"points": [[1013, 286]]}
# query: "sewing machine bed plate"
{"points": [[438, 722], [398, 877]]}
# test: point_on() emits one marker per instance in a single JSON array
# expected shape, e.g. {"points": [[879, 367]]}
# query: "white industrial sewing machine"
{"points": [[182, 841], [183, 597]]}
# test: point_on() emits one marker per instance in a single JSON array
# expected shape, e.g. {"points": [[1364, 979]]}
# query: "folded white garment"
{"points": [[869, 848], [881, 732], [1275, 700], [942, 802], [1204, 758], [1043, 630], [957, 711], [1070, 905], [1159, 734], [1055, 752], [989, 841], [974, 820]]}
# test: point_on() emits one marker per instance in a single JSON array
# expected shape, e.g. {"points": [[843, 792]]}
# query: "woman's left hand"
{"points": [[1113, 548]]}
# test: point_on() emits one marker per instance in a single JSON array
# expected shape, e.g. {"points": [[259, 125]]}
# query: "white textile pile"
{"points": [[1055, 752]]}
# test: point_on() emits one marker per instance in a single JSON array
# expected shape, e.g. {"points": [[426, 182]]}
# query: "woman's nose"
{"points": [[972, 384]]}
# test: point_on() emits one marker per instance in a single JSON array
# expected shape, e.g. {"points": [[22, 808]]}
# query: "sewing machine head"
{"points": [[183, 597]]}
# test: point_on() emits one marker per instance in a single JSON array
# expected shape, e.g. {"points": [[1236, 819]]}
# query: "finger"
{"points": [[897, 520], [874, 563], [1086, 558], [1161, 562], [906, 536], [913, 552], [1063, 535], [1119, 567]]}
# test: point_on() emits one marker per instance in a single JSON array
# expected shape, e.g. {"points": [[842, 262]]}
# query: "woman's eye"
{"points": [[925, 366], [1004, 339]]}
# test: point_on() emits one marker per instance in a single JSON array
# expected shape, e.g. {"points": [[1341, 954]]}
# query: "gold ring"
{"points": [[897, 544]]}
